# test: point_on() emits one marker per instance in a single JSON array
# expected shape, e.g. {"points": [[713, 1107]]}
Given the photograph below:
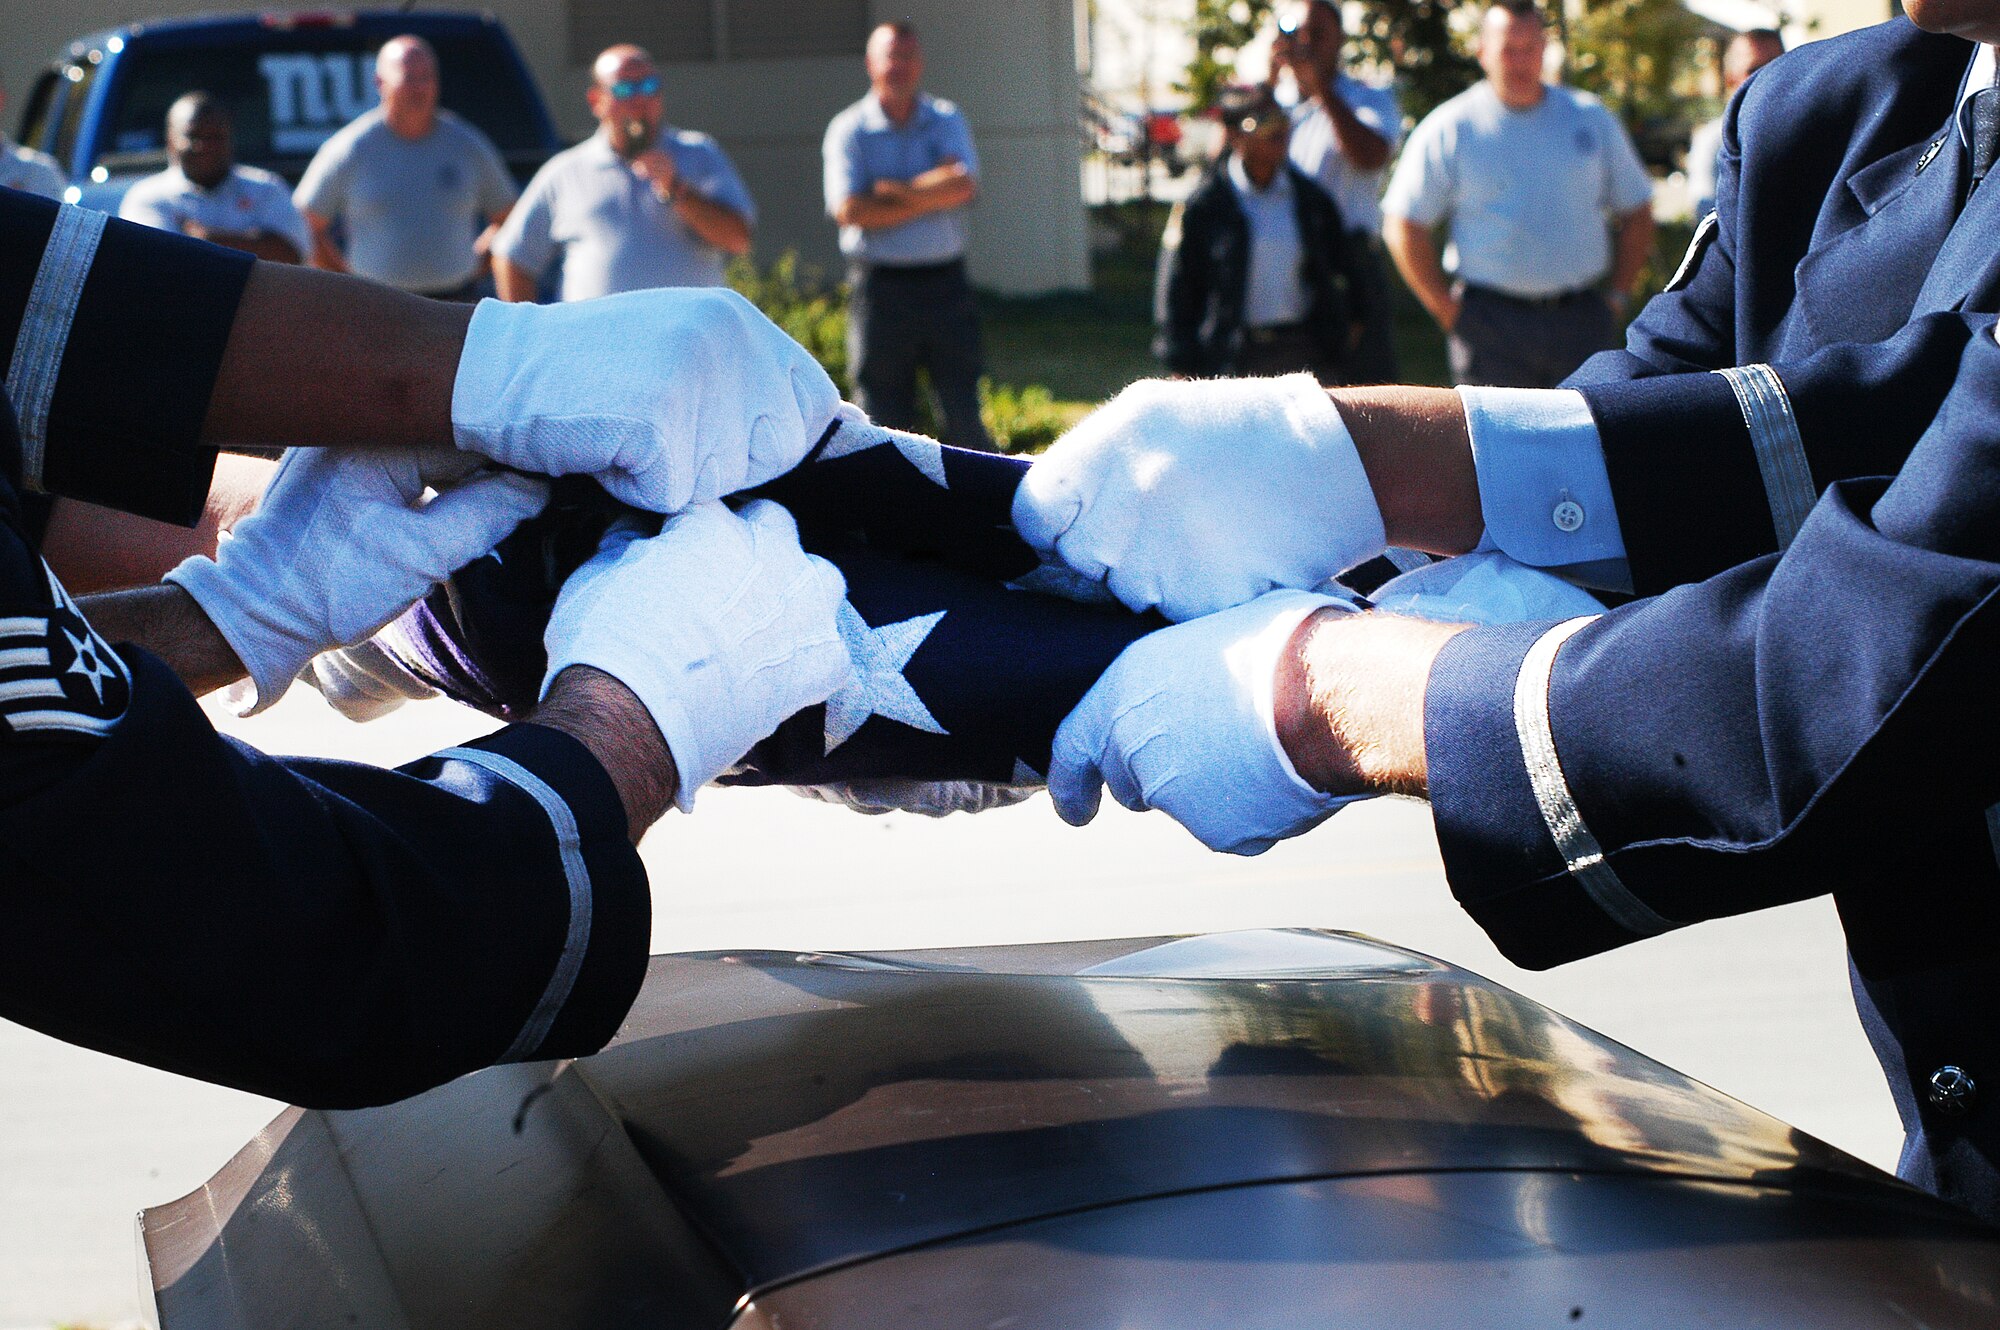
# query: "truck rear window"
{"points": [[289, 92]]}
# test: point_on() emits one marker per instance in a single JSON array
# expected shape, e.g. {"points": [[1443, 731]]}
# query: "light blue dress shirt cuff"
{"points": [[1543, 484]]}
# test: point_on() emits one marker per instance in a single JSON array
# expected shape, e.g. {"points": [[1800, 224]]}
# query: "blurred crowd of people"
{"points": [[411, 195], [1518, 213]]}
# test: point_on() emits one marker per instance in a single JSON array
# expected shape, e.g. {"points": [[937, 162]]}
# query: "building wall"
{"points": [[1011, 64]]}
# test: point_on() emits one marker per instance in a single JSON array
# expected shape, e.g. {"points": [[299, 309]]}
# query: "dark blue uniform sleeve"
{"points": [[1820, 722], [113, 333], [321, 932], [1793, 352]]}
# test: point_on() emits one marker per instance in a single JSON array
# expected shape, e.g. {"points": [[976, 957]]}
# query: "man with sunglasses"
{"points": [[637, 205], [1256, 274]]}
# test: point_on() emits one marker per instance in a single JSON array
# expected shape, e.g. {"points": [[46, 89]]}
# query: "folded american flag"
{"points": [[965, 663]]}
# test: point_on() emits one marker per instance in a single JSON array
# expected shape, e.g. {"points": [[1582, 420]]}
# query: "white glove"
{"points": [[667, 397], [341, 543], [1196, 496], [1484, 586], [1183, 722], [721, 625]]}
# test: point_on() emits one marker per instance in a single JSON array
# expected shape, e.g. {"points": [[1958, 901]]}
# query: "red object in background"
{"points": [[1163, 129]]}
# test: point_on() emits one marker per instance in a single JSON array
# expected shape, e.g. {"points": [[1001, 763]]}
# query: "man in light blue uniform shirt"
{"points": [[1525, 176], [901, 172], [1343, 132], [412, 183], [204, 193], [638, 204]]}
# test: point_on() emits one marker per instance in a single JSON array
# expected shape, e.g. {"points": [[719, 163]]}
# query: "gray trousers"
{"points": [[1504, 342], [901, 318]]}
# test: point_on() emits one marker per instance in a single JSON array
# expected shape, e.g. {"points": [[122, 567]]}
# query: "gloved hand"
{"points": [[721, 625], [1193, 497], [667, 397], [1183, 722], [342, 543]]}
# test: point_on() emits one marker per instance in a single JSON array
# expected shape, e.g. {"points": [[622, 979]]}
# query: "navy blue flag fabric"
{"points": [[964, 666]]}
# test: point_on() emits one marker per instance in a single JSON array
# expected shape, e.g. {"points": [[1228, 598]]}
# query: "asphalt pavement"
{"points": [[1757, 1006]]}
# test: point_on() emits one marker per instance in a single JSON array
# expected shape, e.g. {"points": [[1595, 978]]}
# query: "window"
{"points": [[702, 30]]}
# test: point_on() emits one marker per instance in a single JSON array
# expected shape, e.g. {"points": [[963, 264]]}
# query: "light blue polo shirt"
{"points": [[612, 229], [863, 146], [1527, 196], [1316, 150]]}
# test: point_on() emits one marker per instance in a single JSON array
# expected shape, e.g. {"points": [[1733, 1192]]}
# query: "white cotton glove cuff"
{"points": [[1183, 721], [720, 625], [668, 397], [341, 543], [1195, 496]]}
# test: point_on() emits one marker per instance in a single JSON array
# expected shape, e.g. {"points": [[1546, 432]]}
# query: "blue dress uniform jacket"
{"points": [[323, 932], [1820, 721], [1791, 726], [1832, 275]]}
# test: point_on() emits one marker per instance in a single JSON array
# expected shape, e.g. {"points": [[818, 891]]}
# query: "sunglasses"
{"points": [[1270, 127], [624, 88]]}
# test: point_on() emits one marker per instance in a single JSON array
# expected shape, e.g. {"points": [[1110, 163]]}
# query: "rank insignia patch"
{"points": [[57, 675]]}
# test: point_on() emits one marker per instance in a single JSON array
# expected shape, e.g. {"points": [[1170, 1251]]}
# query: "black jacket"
{"points": [[1205, 269]]}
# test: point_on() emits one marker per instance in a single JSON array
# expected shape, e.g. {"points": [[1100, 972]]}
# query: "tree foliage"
{"points": [[1642, 57], [1412, 37]]}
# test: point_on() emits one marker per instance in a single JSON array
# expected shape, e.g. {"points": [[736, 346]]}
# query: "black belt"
{"points": [[1555, 301], [1275, 332], [911, 270]]}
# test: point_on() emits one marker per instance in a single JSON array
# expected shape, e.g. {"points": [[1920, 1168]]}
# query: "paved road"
{"points": [[1757, 1007]]}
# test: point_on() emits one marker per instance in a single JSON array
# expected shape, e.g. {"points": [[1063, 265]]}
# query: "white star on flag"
{"points": [[926, 455], [879, 688]]}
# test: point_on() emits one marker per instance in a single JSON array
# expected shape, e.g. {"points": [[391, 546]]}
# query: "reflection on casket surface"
{"points": [[1254, 1129]]}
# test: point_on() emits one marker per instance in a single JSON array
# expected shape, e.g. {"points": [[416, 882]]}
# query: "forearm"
{"points": [[93, 549], [266, 245], [1634, 247], [325, 254], [872, 212], [166, 621], [1364, 149], [1349, 701], [513, 282], [1415, 447], [716, 223], [317, 359], [1416, 255], [605, 717]]}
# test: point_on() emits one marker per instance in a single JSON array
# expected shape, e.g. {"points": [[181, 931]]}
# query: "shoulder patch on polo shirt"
{"points": [[57, 676], [1704, 236]]}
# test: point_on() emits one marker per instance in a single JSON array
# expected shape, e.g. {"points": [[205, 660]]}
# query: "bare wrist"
{"points": [[1349, 701], [609, 720]]}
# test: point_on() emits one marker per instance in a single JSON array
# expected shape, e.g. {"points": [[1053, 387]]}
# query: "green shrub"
{"points": [[1024, 420], [798, 298]]}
